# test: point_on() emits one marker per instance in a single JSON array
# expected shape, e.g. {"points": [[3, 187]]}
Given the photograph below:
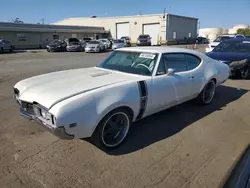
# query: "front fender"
{"points": [[88, 109]]}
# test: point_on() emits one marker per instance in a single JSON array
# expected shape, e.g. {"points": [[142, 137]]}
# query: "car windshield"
{"points": [[86, 39], [239, 47], [118, 41], [94, 42], [222, 38], [143, 36], [131, 62], [74, 43], [55, 42], [73, 40]]}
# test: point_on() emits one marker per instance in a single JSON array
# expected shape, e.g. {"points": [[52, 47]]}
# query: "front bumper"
{"points": [[91, 50], [57, 131], [54, 49], [73, 49], [144, 44]]}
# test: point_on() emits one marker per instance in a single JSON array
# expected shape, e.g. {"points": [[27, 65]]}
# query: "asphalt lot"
{"points": [[186, 146]]}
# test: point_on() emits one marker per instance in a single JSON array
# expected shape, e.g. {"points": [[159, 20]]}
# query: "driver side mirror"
{"points": [[170, 71]]}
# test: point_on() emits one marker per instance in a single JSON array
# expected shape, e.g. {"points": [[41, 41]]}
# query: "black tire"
{"points": [[1, 50], [202, 98], [11, 49], [246, 73], [98, 137], [48, 50]]}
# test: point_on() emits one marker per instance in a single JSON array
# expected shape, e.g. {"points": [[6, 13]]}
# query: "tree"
{"points": [[17, 20], [245, 32]]}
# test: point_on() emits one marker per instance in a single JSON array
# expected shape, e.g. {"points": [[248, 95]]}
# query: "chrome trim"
{"points": [[57, 131]]}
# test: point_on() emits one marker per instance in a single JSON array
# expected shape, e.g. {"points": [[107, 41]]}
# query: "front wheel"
{"points": [[113, 129], [246, 73], [207, 94]]}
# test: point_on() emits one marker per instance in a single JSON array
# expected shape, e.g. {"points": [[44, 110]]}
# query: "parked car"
{"points": [[118, 44], [236, 54], [239, 175], [222, 38], [144, 40], [87, 39], [130, 84], [201, 40], [57, 46], [127, 41], [106, 43], [74, 45], [95, 46], [5, 46]]}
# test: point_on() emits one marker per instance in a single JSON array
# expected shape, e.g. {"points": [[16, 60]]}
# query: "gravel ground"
{"points": [[186, 146]]}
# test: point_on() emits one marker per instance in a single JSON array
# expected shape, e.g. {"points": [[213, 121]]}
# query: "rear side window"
{"points": [[192, 61], [175, 61]]}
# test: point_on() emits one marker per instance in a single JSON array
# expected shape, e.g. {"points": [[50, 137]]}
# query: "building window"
{"points": [[174, 35], [21, 37], [189, 35]]}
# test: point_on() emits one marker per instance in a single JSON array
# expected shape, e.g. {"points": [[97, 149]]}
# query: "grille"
{"points": [[27, 107]]}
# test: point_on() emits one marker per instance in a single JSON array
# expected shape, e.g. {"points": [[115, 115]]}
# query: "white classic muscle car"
{"points": [[132, 83]]}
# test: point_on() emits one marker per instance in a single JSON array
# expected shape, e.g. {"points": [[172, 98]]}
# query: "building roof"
{"points": [[122, 17], [47, 27]]}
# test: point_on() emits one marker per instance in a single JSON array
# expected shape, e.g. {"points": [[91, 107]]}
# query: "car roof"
{"points": [[237, 40], [154, 49]]}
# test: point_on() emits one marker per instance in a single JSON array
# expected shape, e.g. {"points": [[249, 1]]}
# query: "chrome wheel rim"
{"points": [[115, 129], [209, 91]]}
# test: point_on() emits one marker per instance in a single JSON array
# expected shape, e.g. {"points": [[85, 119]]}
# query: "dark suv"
{"points": [[144, 40]]}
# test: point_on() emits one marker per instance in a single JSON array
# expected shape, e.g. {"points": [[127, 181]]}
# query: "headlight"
{"points": [[47, 46], [44, 113]]}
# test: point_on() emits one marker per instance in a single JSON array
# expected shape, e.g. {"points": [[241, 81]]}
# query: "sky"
{"points": [[211, 13]]}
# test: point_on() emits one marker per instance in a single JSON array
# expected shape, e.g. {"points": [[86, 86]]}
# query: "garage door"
{"points": [[122, 29], [153, 30]]}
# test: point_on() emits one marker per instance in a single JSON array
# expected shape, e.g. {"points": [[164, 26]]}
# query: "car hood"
{"points": [[228, 56], [51, 88]]}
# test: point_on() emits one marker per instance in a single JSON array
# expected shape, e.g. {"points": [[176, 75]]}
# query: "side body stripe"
{"points": [[143, 90]]}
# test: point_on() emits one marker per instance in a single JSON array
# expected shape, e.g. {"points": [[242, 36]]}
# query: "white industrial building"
{"points": [[212, 33], [162, 28]]}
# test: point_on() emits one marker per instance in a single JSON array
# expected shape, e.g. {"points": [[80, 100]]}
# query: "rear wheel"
{"points": [[207, 94], [113, 129], [11, 49]]}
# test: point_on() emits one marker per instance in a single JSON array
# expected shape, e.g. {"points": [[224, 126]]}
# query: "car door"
{"points": [[161, 91], [182, 78], [196, 72]]}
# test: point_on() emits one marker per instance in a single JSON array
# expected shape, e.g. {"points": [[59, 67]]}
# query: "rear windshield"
{"points": [[118, 41], [55, 42], [236, 46], [86, 39], [222, 38]]}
